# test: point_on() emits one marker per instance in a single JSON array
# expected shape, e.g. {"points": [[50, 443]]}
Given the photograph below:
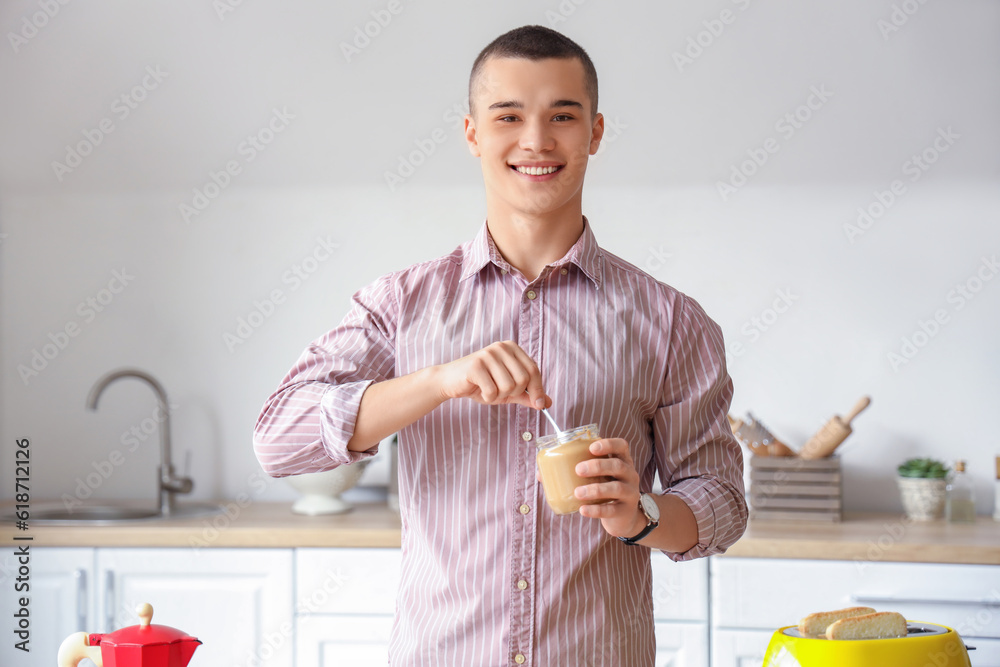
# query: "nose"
{"points": [[536, 137]]}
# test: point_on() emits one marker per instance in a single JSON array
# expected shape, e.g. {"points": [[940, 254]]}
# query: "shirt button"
{"points": [[503, 271], [519, 659], [531, 294], [526, 436], [522, 584], [564, 271], [524, 509]]}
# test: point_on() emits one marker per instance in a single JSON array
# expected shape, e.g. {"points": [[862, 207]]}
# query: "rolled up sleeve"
{"points": [[698, 458], [306, 423]]}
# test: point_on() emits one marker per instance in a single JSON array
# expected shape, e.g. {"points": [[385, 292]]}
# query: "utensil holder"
{"points": [[794, 489]]}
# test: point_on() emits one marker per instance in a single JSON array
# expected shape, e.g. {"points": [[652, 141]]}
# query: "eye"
{"points": [[563, 117], [507, 119]]}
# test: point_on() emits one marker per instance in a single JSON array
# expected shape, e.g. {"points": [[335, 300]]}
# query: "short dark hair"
{"points": [[536, 42]]}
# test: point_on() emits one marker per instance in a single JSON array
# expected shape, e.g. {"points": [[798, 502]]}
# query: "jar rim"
{"points": [[566, 436]]}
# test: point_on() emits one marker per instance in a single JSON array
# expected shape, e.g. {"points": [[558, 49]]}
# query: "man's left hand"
{"points": [[619, 512]]}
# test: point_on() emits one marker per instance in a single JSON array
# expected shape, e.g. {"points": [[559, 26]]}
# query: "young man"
{"points": [[457, 354]]}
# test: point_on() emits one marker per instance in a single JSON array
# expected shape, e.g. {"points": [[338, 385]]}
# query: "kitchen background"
{"points": [[197, 189]]}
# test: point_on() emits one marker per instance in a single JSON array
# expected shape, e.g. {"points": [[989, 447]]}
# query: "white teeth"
{"points": [[536, 171]]}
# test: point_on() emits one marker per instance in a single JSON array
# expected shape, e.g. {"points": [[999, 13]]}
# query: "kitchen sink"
{"points": [[53, 514]]}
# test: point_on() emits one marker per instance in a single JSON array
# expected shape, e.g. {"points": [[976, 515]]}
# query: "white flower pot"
{"points": [[923, 498]]}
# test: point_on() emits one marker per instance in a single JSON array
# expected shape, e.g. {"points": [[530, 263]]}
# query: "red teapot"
{"points": [[143, 645]]}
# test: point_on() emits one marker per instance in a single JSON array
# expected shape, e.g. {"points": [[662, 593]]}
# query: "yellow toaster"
{"points": [[925, 644]]}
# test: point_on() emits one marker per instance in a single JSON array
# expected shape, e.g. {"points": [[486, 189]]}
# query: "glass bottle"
{"points": [[961, 507]]}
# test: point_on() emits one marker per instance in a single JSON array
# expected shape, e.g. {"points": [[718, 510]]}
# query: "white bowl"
{"points": [[321, 490]]}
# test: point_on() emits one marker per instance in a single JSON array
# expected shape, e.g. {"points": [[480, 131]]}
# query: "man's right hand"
{"points": [[495, 375], [498, 374]]}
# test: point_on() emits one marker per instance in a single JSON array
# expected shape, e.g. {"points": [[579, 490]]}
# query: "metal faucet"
{"points": [[167, 483]]}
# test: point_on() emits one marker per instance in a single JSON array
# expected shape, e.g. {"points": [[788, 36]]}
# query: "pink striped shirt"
{"points": [[491, 576]]}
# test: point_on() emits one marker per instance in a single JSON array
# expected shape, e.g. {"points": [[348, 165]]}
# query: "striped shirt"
{"points": [[490, 575]]}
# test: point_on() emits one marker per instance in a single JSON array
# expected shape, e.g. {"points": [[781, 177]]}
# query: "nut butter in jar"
{"points": [[557, 458]]}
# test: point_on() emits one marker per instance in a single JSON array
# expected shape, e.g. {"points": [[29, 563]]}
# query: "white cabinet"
{"points": [[334, 641], [345, 600], [59, 597], [752, 597], [739, 648], [681, 644], [238, 602], [680, 611]]}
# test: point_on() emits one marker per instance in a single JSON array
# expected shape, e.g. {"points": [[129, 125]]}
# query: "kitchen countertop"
{"points": [[257, 524], [871, 536], [861, 536]]}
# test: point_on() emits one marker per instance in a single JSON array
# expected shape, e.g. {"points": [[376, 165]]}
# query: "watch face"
{"points": [[650, 507]]}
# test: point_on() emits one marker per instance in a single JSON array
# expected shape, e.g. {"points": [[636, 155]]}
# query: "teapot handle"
{"points": [[75, 648]]}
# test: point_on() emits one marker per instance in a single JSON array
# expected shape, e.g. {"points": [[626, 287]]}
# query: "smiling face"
{"points": [[533, 129]]}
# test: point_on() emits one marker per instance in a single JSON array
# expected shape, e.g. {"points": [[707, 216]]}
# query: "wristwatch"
{"points": [[652, 511]]}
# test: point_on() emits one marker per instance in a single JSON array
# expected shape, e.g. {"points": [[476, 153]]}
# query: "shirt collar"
{"points": [[585, 254]]}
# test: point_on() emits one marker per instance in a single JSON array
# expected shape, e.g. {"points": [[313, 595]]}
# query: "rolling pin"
{"points": [[833, 433]]}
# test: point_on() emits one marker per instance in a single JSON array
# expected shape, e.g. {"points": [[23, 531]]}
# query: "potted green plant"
{"points": [[923, 488]]}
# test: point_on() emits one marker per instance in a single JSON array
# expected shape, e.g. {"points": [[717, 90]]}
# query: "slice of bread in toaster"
{"points": [[815, 625], [880, 625]]}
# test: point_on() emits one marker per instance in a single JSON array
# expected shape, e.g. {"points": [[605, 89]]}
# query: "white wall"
{"points": [[652, 195]]}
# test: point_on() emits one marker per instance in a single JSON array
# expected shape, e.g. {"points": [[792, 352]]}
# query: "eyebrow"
{"points": [[517, 104]]}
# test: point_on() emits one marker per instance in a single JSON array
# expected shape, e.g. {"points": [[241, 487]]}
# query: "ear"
{"points": [[596, 133], [470, 135]]}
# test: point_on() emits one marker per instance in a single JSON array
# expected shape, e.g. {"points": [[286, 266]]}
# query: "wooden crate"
{"points": [[789, 488]]}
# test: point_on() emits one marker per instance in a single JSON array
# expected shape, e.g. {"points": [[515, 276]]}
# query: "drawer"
{"points": [[771, 593], [987, 653], [680, 590], [334, 641], [346, 581], [681, 645], [739, 648]]}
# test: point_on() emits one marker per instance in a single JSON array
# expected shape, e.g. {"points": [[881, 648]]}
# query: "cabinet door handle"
{"points": [[109, 601], [81, 598], [876, 599]]}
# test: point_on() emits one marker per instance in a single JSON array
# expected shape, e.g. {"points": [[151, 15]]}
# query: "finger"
{"points": [[519, 373], [612, 467], [534, 384], [608, 491], [605, 511], [616, 447], [505, 383], [480, 377]]}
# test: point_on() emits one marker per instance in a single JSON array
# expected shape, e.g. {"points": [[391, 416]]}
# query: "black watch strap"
{"points": [[631, 541]]}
